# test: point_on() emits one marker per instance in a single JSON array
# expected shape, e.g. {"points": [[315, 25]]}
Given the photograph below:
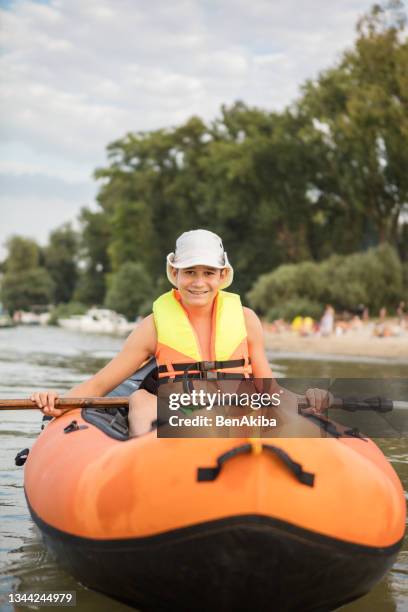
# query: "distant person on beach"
{"points": [[402, 315], [327, 321], [382, 329]]}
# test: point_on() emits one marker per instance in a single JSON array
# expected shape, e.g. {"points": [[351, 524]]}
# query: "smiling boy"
{"points": [[195, 328]]}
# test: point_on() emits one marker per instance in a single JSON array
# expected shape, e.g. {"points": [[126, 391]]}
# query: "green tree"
{"points": [[373, 278], [61, 261], [23, 254], [257, 184], [151, 192], [93, 253], [130, 290], [24, 283], [26, 288], [359, 122]]}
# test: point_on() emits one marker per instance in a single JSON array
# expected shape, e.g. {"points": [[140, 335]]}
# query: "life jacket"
{"points": [[178, 352]]}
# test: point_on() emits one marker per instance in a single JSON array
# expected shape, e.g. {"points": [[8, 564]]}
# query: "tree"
{"points": [[373, 278], [24, 283], [24, 289], [93, 253], [359, 121], [61, 261], [130, 291], [23, 254]]}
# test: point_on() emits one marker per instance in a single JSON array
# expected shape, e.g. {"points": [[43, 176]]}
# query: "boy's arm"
{"points": [[256, 345], [139, 346]]}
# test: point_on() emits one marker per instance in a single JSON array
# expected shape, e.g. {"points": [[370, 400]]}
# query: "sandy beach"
{"points": [[357, 343]]}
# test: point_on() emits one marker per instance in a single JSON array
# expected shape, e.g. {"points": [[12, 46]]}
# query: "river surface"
{"points": [[51, 358]]}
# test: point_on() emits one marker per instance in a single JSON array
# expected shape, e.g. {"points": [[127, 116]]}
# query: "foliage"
{"points": [[24, 283], [358, 121], [405, 281], [130, 290], [294, 307], [304, 281], [23, 254], [93, 251], [23, 289], [66, 310], [373, 278], [61, 261]]}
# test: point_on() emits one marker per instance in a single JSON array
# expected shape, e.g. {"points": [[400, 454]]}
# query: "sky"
{"points": [[79, 74]]}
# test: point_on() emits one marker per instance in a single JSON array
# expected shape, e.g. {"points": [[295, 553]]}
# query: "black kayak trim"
{"points": [[224, 565], [191, 530]]}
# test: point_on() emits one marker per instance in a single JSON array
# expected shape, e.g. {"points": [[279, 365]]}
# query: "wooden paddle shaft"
{"points": [[67, 402]]}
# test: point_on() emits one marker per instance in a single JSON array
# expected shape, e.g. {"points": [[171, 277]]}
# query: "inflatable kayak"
{"points": [[214, 524]]}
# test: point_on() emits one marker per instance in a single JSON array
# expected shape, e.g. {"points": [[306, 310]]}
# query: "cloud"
{"points": [[20, 182], [35, 216], [77, 75], [34, 204]]}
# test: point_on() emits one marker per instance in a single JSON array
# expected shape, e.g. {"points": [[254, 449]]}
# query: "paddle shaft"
{"points": [[109, 402], [67, 403]]}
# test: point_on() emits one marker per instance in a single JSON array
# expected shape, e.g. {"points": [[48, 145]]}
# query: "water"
{"points": [[52, 358]]}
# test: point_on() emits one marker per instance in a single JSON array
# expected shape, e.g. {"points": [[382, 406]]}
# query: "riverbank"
{"points": [[355, 343]]}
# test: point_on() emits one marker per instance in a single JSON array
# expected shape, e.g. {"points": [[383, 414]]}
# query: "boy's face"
{"points": [[198, 285]]}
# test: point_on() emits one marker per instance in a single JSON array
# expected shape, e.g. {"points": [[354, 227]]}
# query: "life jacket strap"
{"points": [[219, 376], [204, 366]]}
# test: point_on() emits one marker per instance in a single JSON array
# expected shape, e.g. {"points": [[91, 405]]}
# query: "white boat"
{"points": [[99, 321], [22, 317], [6, 321]]}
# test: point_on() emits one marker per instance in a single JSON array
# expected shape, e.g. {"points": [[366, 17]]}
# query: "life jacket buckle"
{"points": [[204, 366]]}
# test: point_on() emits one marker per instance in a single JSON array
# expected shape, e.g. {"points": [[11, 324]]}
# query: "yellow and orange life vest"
{"points": [[178, 352]]}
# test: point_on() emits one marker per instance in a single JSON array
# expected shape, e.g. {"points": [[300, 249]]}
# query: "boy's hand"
{"points": [[319, 401], [46, 401]]}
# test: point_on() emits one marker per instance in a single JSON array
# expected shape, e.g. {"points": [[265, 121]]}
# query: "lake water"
{"points": [[52, 358]]}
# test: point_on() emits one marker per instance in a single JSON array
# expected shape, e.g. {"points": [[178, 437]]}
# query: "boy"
{"points": [[191, 329]]}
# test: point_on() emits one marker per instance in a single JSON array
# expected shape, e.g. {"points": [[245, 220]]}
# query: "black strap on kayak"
{"points": [[330, 428], [353, 432], [324, 424], [73, 426], [21, 457], [45, 420], [209, 474]]}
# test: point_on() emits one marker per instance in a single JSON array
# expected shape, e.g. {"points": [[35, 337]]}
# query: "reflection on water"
{"points": [[38, 358]]}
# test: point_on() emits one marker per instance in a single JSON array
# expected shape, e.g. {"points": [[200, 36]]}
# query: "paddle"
{"points": [[66, 403], [350, 404]]}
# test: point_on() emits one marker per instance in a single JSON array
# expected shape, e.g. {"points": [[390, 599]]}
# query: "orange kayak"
{"points": [[215, 524]]}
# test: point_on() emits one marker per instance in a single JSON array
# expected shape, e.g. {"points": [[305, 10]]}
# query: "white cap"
{"points": [[200, 248]]}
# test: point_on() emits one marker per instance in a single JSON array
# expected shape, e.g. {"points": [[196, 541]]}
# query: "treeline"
{"points": [[328, 175], [374, 279]]}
